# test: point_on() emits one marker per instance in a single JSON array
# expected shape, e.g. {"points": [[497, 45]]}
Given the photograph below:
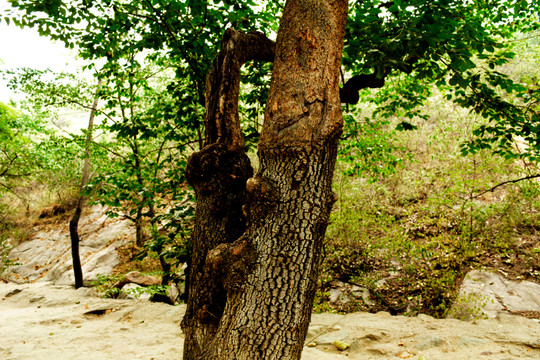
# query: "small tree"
{"points": [[85, 176], [147, 158]]}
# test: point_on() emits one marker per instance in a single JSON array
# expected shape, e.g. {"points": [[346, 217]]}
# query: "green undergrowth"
{"points": [[410, 235], [21, 216], [107, 287]]}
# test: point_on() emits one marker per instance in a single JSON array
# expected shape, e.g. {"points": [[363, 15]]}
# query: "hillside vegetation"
{"points": [[426, 214]]}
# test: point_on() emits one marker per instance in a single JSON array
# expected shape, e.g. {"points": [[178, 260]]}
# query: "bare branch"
{"points": [[11, 190], [8, 166], [505, 183], [349, 91]]}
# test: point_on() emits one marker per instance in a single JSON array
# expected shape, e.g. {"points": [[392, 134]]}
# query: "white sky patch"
{"points": [[25, 48]]}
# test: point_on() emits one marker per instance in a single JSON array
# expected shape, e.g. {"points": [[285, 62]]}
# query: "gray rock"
{"points": [[424, 342], [484, 294], [86, 292], [140, 279], [61, 273], [334, 295], [47, 255], [134, 291], [363, 293], [344, 293], [173, 293]]}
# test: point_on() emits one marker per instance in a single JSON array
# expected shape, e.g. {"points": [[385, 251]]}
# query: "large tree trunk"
{"points": [[252, 286]]}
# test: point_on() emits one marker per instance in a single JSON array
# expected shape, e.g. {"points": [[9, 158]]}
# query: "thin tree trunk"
{"points": [[139, 230], [73, 232], [252, 291], [74, 222]]}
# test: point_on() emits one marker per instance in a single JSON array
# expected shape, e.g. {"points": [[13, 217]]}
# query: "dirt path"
{"points": [[43, 321]]}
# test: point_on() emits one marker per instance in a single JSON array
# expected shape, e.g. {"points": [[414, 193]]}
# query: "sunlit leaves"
{"points": [[368, 149], [30, 151], [460, 47]]}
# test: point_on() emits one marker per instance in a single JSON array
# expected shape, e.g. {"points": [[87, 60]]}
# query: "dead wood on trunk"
{"points": [[218, 174]]}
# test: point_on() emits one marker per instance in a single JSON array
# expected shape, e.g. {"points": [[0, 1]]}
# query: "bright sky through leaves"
{"points": [[25, 48]]}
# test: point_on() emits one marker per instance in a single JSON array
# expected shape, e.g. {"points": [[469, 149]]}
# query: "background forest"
{"points": [[437, 171]]}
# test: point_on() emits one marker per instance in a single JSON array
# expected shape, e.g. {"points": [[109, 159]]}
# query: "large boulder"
{"points": [[47, 255], [485, 294]]}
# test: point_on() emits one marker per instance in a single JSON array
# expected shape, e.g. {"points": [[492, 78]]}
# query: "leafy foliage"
{"points": [[459, 46], [106, 286], [411, 236], [141, 158], [29, 150], [31, 153], [186, 33], [514, 101], [369, 149], [150, 130]]}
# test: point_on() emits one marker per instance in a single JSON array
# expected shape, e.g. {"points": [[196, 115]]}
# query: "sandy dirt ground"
{"points": [[44, 321]]}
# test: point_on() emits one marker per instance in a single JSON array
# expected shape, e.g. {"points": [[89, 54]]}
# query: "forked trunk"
{"points": [[252, 286]]}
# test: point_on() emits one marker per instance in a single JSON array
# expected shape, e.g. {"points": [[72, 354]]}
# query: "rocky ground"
{"points": [[47, 254], [43, 317], [45, 321]]}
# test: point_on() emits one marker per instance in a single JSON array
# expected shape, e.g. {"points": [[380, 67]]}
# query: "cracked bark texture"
{"points": [[254, 284], [218, 174]]}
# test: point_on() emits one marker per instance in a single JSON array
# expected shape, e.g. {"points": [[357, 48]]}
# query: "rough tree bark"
{"points": [[74, 222], [257, 240]]}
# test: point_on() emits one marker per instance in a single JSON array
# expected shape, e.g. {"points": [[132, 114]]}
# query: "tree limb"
{"points": [[261, 48], [222, 123], [504, 183], [349, 91], [8, 166], [11, 190]]}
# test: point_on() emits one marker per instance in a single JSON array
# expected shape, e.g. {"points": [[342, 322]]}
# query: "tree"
{"points": [[147, 165], [62, 91], [142, 154], [257, 238], [18, 154], [255, 289], [30, 150], [457, 45], [31, 153], [137, 114], [85, 176]]}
